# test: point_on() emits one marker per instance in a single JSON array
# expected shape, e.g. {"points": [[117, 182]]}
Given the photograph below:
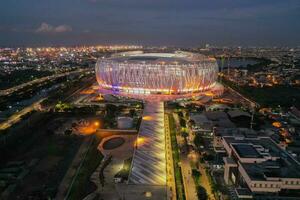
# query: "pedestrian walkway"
{"points": [[149, 160], [205, 183], [171, 191]]}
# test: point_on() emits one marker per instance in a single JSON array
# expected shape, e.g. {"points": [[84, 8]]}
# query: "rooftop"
{"points": [[238, 113], [149, 162], [219, 119], [178, 57], [263, 145], [271, 169], [277, 163], [246, 151]]}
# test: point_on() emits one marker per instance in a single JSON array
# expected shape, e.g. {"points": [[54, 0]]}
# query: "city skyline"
{"points": [[128, 122], [150, 100], [176, 23]]}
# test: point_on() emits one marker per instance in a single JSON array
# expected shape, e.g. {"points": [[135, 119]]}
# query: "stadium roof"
{"points": [[178, 57]]}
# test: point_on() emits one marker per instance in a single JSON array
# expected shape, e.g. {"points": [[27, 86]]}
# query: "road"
{"points": [[17, 116], [251, 103], [36, 81]]}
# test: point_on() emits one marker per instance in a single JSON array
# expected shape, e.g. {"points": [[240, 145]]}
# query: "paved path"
{"points": [[186, 171], [205, 182], [109, 190], [188, 182]]}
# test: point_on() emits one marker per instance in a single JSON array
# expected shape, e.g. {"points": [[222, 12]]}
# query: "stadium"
{"points": [[160, 75]]}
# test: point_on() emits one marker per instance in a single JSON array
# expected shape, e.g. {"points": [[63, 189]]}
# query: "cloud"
{"points": [[47, 28], [62, 28]]}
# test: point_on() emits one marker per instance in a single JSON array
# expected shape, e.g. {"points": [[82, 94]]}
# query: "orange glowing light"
{"points": [[88, 130], [87, 91], [209, 94], [140, 141], [147, 118], [276, 124], [96, 123], [99, 98]]}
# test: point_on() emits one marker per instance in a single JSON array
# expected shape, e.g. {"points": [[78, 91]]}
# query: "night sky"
{"points": [[150, 22]]}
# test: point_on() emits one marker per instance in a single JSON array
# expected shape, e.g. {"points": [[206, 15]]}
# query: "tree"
{"points": [[132, 112], [201, 192], [191, 123], [111, 110], [196, 173], [180, 114], [198, 140], [184, 134], [182, 122], [208, 157]]}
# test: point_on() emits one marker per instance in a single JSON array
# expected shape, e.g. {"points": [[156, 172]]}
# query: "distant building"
{"points": [[219, 119], [206, 121], [238, 113], [219, 133], [201, 123], [240, 118]]}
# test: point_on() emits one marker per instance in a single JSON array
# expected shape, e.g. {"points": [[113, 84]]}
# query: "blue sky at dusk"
{"points": [[150, 22]]}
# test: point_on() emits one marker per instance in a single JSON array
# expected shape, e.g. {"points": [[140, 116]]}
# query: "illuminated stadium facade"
{"points": [[155, 77], [140, 74]]}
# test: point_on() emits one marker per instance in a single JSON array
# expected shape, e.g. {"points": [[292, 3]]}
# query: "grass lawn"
{"points": [[284, 96], [80, 187]]}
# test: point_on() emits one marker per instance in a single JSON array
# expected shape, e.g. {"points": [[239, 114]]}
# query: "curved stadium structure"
{"points": [[155, 77], [173, 74]]}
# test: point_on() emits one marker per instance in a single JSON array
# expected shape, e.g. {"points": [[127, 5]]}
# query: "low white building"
{"points": [[125, 122]]}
